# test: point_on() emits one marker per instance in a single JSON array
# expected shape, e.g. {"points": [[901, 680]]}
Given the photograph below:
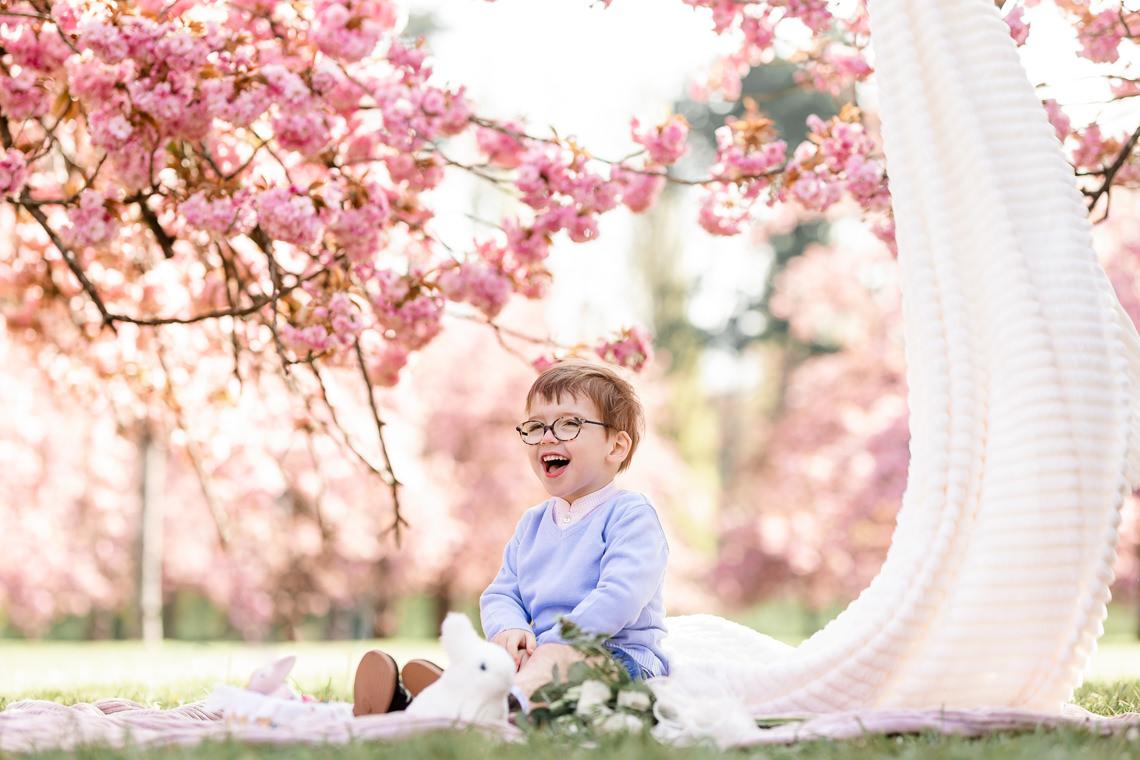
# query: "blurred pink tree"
{"points": [[814, 506]]}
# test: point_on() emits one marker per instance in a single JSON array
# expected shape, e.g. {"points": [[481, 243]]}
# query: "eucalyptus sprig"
{"points": [[595, 696]]}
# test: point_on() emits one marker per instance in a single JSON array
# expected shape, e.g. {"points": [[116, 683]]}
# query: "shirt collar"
{"points": [[589, 501]]}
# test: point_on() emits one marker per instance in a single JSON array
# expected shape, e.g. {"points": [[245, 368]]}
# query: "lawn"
{"points": [[174, 673]]}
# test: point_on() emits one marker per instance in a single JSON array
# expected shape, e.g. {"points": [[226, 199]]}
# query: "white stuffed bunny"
{"points": [[475, 685], [270, 679]]}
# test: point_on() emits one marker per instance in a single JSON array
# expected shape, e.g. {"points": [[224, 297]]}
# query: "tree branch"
{"points": [[165, 241], [393, 483], [72, 264], [1110, 173], [192, 452]]}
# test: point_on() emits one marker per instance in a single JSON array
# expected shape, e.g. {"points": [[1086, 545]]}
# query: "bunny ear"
{"points": [[457, 633], [269, 677], [279, 670]]}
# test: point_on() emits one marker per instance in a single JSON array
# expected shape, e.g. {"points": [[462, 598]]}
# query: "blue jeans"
{"points": [[636, 672]]}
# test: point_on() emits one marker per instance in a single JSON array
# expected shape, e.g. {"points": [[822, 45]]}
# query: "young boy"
{"points": [[592, 552]]}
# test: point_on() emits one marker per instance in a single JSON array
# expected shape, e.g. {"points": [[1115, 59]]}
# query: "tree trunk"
{"points": [[440, 602], [151, 484], [379, 610]]}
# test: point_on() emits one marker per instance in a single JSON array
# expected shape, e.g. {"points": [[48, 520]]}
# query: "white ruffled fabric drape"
{"points": [[1022, 373]]}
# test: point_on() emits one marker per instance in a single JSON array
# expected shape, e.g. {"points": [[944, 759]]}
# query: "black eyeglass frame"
{"points": [[550, 427]]}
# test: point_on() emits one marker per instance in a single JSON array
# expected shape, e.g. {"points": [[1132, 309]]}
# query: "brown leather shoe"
{"points": [[376, 688], [420, 674]]}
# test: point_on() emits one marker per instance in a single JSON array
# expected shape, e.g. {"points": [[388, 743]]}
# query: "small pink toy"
{"points": [[270, 680]]}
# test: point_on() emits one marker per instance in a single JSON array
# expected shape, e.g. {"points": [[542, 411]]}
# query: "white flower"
{"points": [[620, 722], [633, 700], [594, 694]]}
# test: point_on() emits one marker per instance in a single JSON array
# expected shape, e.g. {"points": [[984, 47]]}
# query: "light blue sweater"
{"points": [[604, 572]]}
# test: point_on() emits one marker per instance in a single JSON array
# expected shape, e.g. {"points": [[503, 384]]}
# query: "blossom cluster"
{"points": [[479, 283], [631, 349], [838, 156], [275, 155], [566, 190], [832, 60], [336, 322], [280, 154], [749, 155]]}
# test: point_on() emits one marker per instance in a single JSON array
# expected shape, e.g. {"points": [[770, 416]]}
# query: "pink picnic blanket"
{"points": [[31, 725]]}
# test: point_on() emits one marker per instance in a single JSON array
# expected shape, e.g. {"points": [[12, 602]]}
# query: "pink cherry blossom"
{"points": [[759, 32], [384, 363], [526, 244], [1018, 27], [1058, 118], [482, 286], [239, 103], [138, 160], [222, 215], [665, 142], [359, 230], [22, 96], [289, 216], [405, 307], [501, 147], [543, 363], [639, 189], [747, 149], [350, 31], [1092, 148], [94, 81], [532, 281], [1100, 37], [632, 349], [418, 173], [91, 222], [813, 13], [834, 71], [110, 128], [723, 211], [815, 190], [306, 132], [866, 181], [44, 51], [13, 172]]}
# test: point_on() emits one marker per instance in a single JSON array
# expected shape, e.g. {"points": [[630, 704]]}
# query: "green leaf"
{"points": [[579, 672]]}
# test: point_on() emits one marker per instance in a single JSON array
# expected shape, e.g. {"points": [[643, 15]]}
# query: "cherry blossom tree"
{"points": [[253, 180], [222, 212]]}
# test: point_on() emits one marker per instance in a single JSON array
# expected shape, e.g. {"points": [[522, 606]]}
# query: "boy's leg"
{"points": [[537, 671], [376, 688], [418, 674]]}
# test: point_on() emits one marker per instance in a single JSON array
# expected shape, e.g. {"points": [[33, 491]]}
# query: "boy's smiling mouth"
{"points": [[554, 463]]}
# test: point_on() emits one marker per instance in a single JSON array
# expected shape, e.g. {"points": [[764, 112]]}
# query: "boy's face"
{"points": [[594, 456]]}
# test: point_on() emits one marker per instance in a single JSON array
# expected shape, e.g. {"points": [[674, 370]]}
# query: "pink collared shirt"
{"points": [[566, 514]]}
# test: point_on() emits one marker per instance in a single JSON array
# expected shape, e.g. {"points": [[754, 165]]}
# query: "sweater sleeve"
{"points": [[501, 605], [632, 568]]}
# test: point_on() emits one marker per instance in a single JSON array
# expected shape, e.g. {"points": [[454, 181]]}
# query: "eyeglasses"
{"points": [[564, 428]]}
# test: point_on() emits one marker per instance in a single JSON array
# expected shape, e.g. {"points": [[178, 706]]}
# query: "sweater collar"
{"points": [[589, 501]]}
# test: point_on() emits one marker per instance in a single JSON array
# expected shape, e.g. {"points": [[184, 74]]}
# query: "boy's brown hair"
{"points": [[613, 395]]}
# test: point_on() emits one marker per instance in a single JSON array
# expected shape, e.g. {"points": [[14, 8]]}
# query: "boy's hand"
{"points": [[518, 642]]}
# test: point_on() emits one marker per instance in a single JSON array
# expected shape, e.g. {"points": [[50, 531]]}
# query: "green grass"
{"points": [[71, 672], [1051, 745]]}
